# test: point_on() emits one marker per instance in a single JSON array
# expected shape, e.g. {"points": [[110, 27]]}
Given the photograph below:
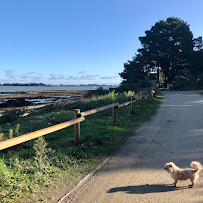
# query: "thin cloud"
{"points": [[37, 78], [9, 73], [56, 77], [52, 78], [60, 77], [31, 76], [25, 76], [30, 73], [109, 77], [81, 72], [34, 76], [12, 76], [88, 77], [72, 78]]}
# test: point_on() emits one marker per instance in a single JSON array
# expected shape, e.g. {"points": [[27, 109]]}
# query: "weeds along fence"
{"points": [[78, 118]]}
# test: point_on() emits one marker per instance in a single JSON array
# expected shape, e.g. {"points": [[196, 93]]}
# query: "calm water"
{"points": [[38, 88]]}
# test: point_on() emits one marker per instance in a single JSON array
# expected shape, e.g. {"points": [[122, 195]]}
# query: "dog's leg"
{"points": [[191, 186], [175, 183], [194, 179]]}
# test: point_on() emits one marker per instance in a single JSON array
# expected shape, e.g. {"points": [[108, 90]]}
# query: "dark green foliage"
{"points": [[195, 58], [166, 45], [179, 83], [99, 91], [169, 49], [41, 155], [134, 71], [10, 116], [200, 80], [133, 87]]}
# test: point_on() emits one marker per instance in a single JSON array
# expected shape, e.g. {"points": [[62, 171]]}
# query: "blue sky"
{"points": [[74, 42]]}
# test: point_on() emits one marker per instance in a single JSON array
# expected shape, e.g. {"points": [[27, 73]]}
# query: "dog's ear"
{"points": [[171, 164], [170, 167]]}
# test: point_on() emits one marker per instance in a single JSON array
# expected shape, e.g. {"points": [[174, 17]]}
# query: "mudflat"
{"points": [[40, 94], [35, 99]]}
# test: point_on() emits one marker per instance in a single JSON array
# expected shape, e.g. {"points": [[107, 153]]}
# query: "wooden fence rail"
{"points": [[86, 113], [78, 118], [23, 138], [130, 102]]}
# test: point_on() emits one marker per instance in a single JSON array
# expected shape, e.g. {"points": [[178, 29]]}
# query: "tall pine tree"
{"points": [[166, 45], [134, 71]]}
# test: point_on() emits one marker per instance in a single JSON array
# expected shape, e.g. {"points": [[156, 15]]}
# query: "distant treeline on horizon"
{"points": [[42, 84], [24, 84]]}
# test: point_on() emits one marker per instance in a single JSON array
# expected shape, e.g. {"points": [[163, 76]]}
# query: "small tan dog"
{"points": [[183, 174]]}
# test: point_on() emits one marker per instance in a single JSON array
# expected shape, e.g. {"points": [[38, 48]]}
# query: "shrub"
{"points": [[200, 80], [10, 133], [16, 133], [6, 180], [99, 91], [10, 116], [1, 136], [41, 155], [125, 87], [179, 83]]}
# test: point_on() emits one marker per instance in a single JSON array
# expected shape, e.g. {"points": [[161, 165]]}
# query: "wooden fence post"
{"points": [[152, 94], [132, 105], [77, 127], [142, 101], [114, 113]]}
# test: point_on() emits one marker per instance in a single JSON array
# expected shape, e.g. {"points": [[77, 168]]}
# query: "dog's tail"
{"points": [[197, 165]]}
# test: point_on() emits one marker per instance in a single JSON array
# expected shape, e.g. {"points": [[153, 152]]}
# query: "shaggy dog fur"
{"points": [[183, 174]]}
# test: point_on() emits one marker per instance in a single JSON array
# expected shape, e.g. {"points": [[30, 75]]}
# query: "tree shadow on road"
{"points": [[143, 189]]}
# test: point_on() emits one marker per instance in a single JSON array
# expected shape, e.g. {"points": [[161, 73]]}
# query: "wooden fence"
{"points": [[78, 118]]}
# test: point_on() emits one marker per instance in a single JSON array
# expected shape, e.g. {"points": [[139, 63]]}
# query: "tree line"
{"points": [[169, 50], [24, 84]]}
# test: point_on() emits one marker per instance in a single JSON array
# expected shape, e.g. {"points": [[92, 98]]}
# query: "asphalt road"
{"points": [[135, 172]]}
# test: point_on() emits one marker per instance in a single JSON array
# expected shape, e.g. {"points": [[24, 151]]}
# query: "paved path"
{"points": [[135, 172]]}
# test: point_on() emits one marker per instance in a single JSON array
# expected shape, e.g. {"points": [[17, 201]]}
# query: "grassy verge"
{"points": [[31, 170]]}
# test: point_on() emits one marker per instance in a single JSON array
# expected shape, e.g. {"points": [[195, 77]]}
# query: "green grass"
{"points": [[21, 181]]}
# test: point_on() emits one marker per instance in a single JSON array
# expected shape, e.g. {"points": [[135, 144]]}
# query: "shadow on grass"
{"points": [[144, 189]]}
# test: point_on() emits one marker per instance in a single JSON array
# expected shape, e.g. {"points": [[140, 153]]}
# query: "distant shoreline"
{"points": [[50, 88], [89, 85]]}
